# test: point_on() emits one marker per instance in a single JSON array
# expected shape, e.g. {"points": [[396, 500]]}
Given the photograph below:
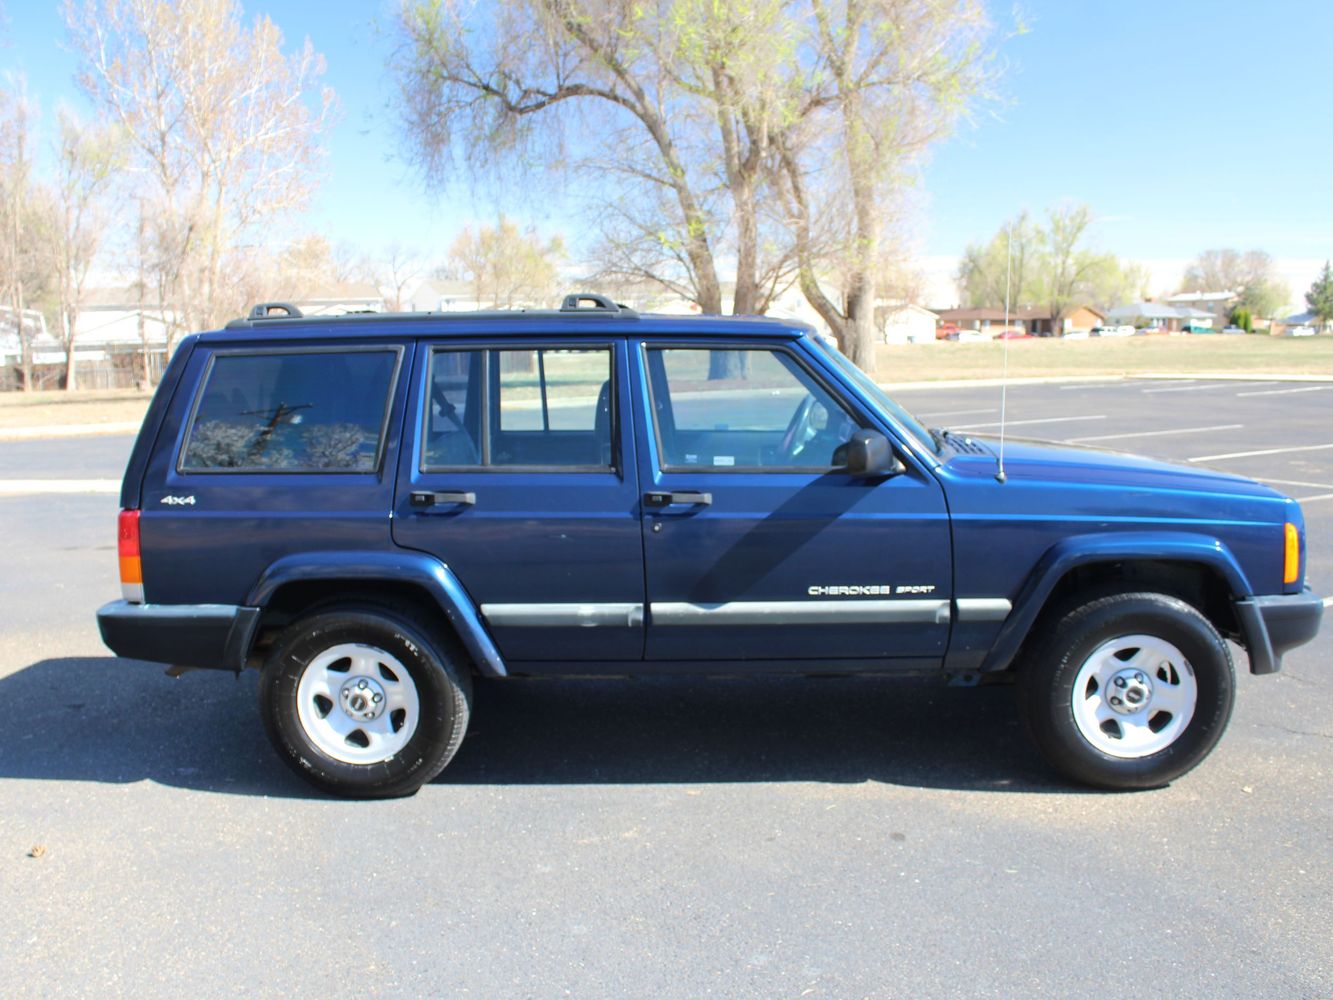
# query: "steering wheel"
{"points": [[800, 429]]}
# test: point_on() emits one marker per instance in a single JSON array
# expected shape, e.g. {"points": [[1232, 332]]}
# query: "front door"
{"points": [[758, 546], [522, 481]]}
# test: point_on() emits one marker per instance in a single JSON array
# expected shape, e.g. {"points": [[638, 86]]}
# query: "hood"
{"points": [[1041, 461]]}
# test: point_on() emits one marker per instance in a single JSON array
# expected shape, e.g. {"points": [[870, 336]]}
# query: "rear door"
{"points": [[758, 546], [522, 480], [269, 451]]}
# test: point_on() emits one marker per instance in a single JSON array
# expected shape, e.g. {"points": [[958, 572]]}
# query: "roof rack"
{"points": [[578, 303], [600, 303], [266, 310]]}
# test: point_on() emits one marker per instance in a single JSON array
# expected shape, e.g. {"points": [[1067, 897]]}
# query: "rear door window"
{"points": [[520, 408], [311, 410]]}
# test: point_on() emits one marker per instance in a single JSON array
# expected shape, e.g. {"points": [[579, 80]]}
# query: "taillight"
{"points": [[1291, 553], [131, 563]]}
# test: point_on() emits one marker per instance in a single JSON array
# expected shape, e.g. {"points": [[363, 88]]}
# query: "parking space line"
{"points": [[1283, 392], [1192, 388], [1263, 451], [1025, 423], [1148, 434], [1297, 482], [25, 487], [1328, 602], [1317, 496], [1117, 384], [958, 413]]}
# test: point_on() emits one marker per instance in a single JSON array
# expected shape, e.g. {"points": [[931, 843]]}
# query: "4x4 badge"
{"points": [[171, 501]]}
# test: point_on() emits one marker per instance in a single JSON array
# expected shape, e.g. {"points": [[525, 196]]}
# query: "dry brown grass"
{"points": [[1214, 355], [1217, 355]]}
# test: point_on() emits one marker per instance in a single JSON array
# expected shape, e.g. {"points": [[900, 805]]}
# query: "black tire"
{"points": [[1122, 751], [436, 695]]}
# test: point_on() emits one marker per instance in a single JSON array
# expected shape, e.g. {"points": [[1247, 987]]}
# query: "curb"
{"points": [[67, 430]]}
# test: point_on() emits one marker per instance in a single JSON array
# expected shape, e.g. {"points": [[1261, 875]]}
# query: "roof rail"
{"points": [[600, 303], [266, 310]]}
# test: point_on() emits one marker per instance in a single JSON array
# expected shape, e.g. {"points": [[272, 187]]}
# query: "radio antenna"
{"points": [[1000, 477]]}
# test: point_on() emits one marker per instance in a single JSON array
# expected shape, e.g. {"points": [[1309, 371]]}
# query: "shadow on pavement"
{"points": [[109, 720]]}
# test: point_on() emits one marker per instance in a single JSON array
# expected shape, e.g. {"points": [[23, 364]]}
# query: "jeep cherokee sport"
{"points": [[371, 509]]}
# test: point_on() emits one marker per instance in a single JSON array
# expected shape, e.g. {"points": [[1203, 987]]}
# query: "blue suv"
{"points": [[374, 509]]}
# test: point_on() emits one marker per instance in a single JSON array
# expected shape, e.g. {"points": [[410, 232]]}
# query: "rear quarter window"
{"points": [[291, 411]]}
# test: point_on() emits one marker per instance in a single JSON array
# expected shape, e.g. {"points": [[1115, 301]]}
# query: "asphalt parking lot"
{"points": [[783, 838]]}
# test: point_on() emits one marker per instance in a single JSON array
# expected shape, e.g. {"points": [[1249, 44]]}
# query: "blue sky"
{"points": [[1185, 124]]}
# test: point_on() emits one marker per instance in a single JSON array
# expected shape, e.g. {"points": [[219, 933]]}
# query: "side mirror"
{"points": [[869, 454]]}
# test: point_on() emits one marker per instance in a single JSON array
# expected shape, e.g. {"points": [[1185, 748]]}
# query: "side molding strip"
{"points": [[582, 615], [983, 609], [800, 612]]}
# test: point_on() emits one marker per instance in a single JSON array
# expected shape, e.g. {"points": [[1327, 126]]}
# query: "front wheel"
{"points": [[1128, 691], [364, 701]]}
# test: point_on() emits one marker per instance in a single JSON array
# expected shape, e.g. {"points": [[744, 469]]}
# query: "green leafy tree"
{"points": [[1320, 296], [1050, 264]]}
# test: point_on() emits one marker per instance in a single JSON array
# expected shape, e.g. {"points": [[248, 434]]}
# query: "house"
{"points": [[338, 299], [1217, 305], [905, 323], [1034, 320], [1161, 316]]}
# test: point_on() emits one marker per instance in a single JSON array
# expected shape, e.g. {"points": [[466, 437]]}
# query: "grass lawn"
{"points": [[1254, 356], [91, 406], [1194, 355]]}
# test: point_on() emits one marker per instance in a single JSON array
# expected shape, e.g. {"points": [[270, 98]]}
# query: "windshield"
{"points": [[879, 397]]}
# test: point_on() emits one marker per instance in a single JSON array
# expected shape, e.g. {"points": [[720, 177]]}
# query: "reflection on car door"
{"points": [[523, 482], [757, 547]]}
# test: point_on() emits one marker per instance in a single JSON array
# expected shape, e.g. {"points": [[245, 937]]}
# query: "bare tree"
{"points": [[701, 108], [15, 127], [395, 271], [88, 159], [224, 128], [1250, 276], [507, 266]]}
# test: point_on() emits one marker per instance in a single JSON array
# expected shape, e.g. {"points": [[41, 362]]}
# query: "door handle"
{"points": [[424, 498], [666, 499]]}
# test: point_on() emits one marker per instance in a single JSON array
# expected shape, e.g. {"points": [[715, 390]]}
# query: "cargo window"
{"points": [[298, 411]]}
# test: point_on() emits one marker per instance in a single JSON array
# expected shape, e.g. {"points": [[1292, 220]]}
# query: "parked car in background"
{"points": [[1233, 330], [1123, 330], [946, 331]]}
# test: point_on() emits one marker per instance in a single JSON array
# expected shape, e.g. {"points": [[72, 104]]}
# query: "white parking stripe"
{"points": [[1283, 392], [1298, 482], [1317, 496], [22, 487], [1148, 434], [1192, 388], [958, 413], [1024, 423], [1328, 602], [1264, 451]]}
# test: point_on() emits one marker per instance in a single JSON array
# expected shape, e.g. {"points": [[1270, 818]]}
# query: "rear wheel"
{"points": [[1128, 691], [364, 701]]}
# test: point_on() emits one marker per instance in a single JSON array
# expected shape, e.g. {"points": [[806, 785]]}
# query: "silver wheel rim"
{"points": [[357, 704], [1134, 696]]}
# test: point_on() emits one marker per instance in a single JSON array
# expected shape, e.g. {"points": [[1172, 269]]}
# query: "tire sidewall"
{"points": [[1051, 691], [438, 695]]}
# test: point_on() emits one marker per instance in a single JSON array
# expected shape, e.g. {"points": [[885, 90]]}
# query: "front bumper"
{"points": [[213, 636], [1274, 624]]}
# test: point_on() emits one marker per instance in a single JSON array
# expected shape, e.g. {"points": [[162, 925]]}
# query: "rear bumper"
{"points": [[213, 636], [1273, 625]]}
